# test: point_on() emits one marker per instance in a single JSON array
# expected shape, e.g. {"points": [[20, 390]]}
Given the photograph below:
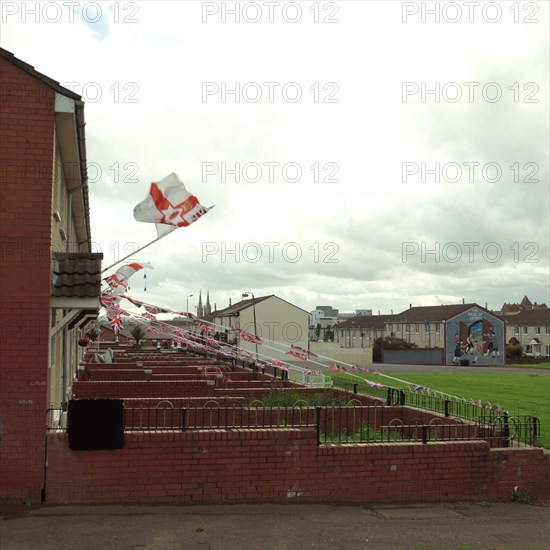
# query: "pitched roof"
{"points": [[525, 302], [76, 274], [80, 126], [531, 317], [433, 313], [31, 71], [366, 322], [239, 306]]}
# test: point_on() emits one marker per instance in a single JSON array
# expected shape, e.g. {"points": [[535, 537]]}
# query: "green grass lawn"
{"points": [[516, 393]]}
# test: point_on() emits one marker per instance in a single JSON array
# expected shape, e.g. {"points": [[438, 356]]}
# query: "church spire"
{"points": [[208, 308], [200, 312]]}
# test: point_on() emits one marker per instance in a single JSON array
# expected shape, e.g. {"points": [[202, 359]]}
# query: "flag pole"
{"points": [[135, 252]]}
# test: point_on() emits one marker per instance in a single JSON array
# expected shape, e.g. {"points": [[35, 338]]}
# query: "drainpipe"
{"points": [[81, 136]]}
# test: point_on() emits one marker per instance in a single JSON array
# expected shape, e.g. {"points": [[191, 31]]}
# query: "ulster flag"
{"points": [[169, 205]]}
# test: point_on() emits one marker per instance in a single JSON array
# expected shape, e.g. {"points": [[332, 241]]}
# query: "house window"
{"points": [[538, 330], [516, 330], [548, 329], [525, 330], [547, 351], [390, 328], [407, 328], [437, 328], [398, 329], [342, 333], [417, 328]]}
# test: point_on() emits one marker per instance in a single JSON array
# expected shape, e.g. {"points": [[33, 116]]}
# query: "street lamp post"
{"points": [[245, 295], [187, 309]]}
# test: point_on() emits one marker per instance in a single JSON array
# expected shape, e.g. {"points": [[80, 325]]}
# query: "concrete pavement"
{"points": [[277, 527]]}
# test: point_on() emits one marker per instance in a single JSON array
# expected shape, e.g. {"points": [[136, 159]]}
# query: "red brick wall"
{"points": [[121, 389], [26, 176], [260, 466]]}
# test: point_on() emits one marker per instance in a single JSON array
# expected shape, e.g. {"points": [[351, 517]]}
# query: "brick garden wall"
{"points": [[26, 176], [286, 465]]}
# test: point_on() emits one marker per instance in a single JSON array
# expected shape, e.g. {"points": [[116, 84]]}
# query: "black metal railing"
{"points": [[348, 425], [217, 417], [447, 405], [336, 424]]}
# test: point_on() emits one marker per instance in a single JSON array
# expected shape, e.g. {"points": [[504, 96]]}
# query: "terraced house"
{"points": [[50, 281], [531, 329]]}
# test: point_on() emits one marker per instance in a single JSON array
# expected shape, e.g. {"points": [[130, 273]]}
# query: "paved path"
{"points": [[278, 527], [389, 368]]}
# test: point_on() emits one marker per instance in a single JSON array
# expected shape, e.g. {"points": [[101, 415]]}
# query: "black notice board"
{"points": [[96, 424]]}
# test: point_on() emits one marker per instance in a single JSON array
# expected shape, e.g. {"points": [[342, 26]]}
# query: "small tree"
{"points": [[329, 334], [138, 333], [318, 330]]}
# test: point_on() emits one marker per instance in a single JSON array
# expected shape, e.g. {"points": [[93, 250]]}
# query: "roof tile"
{"points": [[76, 274]]}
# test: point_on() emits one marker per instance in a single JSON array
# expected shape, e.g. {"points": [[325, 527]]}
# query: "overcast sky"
{"points": [[387, 92]]}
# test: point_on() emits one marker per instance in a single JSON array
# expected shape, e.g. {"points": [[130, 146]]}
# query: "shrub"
{"points": [[389, 342], [514, 351]]}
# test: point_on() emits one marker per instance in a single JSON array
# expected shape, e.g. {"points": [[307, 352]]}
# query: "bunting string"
{"points": [[204, 340]]}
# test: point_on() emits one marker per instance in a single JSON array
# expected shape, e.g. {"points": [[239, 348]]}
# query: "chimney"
{"points": [[229, 302], [410, 306], [463, 301]]}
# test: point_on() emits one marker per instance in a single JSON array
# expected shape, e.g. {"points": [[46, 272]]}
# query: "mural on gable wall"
{"points": [[476, 336]]}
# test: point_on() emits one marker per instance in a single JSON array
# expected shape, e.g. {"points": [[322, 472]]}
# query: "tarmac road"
{"points": [[439, 368], [277, 527], [389, 368]]}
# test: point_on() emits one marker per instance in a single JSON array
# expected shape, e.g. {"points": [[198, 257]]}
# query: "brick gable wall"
{"points": [[26, 160]]}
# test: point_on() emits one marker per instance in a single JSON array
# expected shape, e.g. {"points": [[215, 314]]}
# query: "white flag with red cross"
{"points": [[169, 205]]}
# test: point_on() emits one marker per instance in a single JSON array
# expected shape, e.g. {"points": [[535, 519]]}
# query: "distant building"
{"points": [[524, 305], [344, 316], [431, 327], [203, 311], [276, 320], [328, 310], [479, 332], [365, 312], [315, 316], [531, 329], [361, 331]]}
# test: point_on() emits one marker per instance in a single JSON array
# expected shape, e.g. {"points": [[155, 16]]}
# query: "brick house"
{"points": [[524, 305], [50, 281]]}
